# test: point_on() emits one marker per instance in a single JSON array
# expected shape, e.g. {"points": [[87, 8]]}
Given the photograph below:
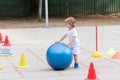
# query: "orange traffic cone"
{"points": [[6, 42], [1, 38], [116, 55], [91, 73]]}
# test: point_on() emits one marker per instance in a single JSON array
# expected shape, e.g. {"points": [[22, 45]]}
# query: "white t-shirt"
{"points": [[70, 34]]}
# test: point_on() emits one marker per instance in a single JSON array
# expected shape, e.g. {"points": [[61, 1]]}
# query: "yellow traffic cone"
{"points": [[96, 54], [23, 63], [1, 68], [110, 51]]}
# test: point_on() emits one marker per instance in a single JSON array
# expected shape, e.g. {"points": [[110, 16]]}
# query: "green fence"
{"points": [[14, 8], [18, 8], [82, 7]]}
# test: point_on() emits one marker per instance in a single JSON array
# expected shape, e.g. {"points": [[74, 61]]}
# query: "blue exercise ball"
{"points": [[59, 56]]}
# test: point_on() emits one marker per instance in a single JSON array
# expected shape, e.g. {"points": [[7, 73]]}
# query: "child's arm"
{"points": [[63, 37], [71, 41]]}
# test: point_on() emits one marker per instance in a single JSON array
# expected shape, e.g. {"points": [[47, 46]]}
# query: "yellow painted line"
{"points": [[6, 57]]}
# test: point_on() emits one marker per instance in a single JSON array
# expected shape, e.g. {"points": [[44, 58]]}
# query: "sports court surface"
{"points": [[35, 41]]}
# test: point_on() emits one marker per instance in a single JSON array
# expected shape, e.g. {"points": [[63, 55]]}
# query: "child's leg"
{"points": [[75, 51], [75, 58], [76, 65], [75, 54]]}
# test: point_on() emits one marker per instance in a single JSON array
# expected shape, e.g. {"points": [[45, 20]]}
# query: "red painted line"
{"points": [[18, 71], [88, 67], [102, 57], [85, 64], [46, 76], [60, 74], [53, 76], [111, 61], [85, 50], [34, 54]]}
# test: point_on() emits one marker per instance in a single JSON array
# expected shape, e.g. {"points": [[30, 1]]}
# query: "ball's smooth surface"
{"points": [[59, 56]]}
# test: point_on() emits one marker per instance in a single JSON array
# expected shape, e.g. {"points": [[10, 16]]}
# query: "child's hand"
{"points": [[68, 44], [57, 41]]}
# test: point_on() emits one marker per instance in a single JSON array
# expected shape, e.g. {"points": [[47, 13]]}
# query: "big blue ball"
{"points": [[59, 56]]}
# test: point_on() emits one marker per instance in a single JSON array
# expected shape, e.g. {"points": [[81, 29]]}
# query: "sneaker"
{"points": [[76, 65]]}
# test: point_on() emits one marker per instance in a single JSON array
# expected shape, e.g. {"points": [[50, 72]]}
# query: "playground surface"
{"points": [[34, 42]]}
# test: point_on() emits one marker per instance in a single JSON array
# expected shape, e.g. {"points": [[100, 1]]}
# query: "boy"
{"points": [[72, 35]]}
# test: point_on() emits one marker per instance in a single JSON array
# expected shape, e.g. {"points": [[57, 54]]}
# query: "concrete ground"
{"points": [[34, 42]]}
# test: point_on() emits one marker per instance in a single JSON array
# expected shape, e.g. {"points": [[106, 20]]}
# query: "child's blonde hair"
{"points": [[71, 21]]}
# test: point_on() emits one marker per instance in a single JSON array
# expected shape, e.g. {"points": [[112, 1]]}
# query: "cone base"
{"points": [[96, 54], [110, 51], [6, 45], [5, 54], [116, 55], [92, 79], [22, 66], [1, 41]]}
